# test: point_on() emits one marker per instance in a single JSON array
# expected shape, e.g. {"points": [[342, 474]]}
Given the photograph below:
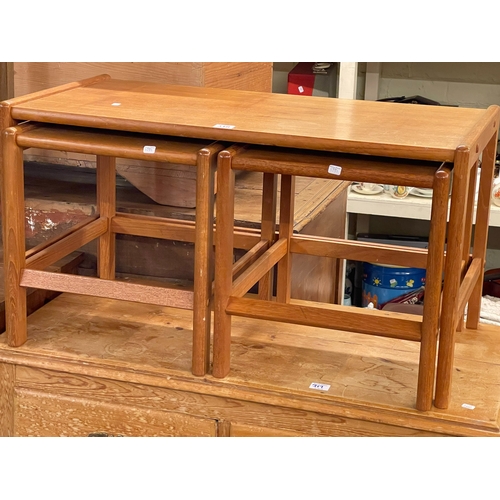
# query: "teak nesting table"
{"points": [[278, 135]]}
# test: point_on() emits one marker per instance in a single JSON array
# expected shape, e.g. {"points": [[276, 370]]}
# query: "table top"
{"points": [[318, 123]]}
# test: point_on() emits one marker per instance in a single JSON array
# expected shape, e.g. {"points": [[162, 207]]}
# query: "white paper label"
{"points": [[334, 169], [149, 149], [116, 104], [221, 125], [319, 387], [300, 89], [469, 407]]}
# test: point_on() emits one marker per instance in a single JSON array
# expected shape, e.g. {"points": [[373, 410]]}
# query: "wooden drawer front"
{"points": [[189, 413], [41, 414]]}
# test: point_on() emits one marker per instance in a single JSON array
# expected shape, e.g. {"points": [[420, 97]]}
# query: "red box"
{"points": [[301, 79]]}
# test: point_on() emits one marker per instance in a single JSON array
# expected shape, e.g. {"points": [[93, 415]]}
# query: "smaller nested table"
{"points": [[25, 269], [270, 251], [454, 276]]}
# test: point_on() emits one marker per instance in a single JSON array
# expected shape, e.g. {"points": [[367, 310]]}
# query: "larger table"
{"points": [[457, 137]]}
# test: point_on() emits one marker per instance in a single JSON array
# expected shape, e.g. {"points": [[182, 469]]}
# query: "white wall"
{"points": [[468, 84]]}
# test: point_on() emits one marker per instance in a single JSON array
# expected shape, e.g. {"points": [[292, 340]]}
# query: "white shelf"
{"points": [[411, 207]]}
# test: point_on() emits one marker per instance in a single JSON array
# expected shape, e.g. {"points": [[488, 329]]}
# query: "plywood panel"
{"points": [[241, 76]]}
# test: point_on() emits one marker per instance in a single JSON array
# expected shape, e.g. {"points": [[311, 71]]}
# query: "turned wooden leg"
{"points": [[13, 221], [471, 195], [203, 259], [481, 229], [452, 278], [223, 263], [432, 302]]}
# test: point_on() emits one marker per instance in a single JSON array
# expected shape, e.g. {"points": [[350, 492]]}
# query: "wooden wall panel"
{"points": [[241, 76], [6, 80], [34, 76]]}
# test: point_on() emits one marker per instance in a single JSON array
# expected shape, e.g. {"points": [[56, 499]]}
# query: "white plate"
{"points": [[357, 189], [414, 192]]}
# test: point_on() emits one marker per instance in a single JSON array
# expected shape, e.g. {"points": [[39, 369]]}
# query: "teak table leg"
{"points": [[481, 229], [471, 195], [430, 322], [268, 227], [287, 198], [13, 238], [106, 207], [452, 278], [223, 263], [203, 260]]}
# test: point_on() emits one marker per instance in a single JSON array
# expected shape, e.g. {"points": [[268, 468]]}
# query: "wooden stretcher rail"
{"points": [[96, 287], [250, 257], [368, 321], [467, 285], [245, 238], [64, 246], [153, 227], [258, 269], [174, 229], [359, 251], [32, 251]]}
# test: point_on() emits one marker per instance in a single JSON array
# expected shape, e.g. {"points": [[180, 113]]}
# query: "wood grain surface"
{"points": [[34, 76], [165, 183], [320, 123], [132, 361]]}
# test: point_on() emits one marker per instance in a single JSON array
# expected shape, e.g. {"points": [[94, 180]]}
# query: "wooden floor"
{"points": [[372, 380]]}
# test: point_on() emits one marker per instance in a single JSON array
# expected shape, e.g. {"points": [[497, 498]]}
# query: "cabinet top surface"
{"points": [[319, 123]]}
